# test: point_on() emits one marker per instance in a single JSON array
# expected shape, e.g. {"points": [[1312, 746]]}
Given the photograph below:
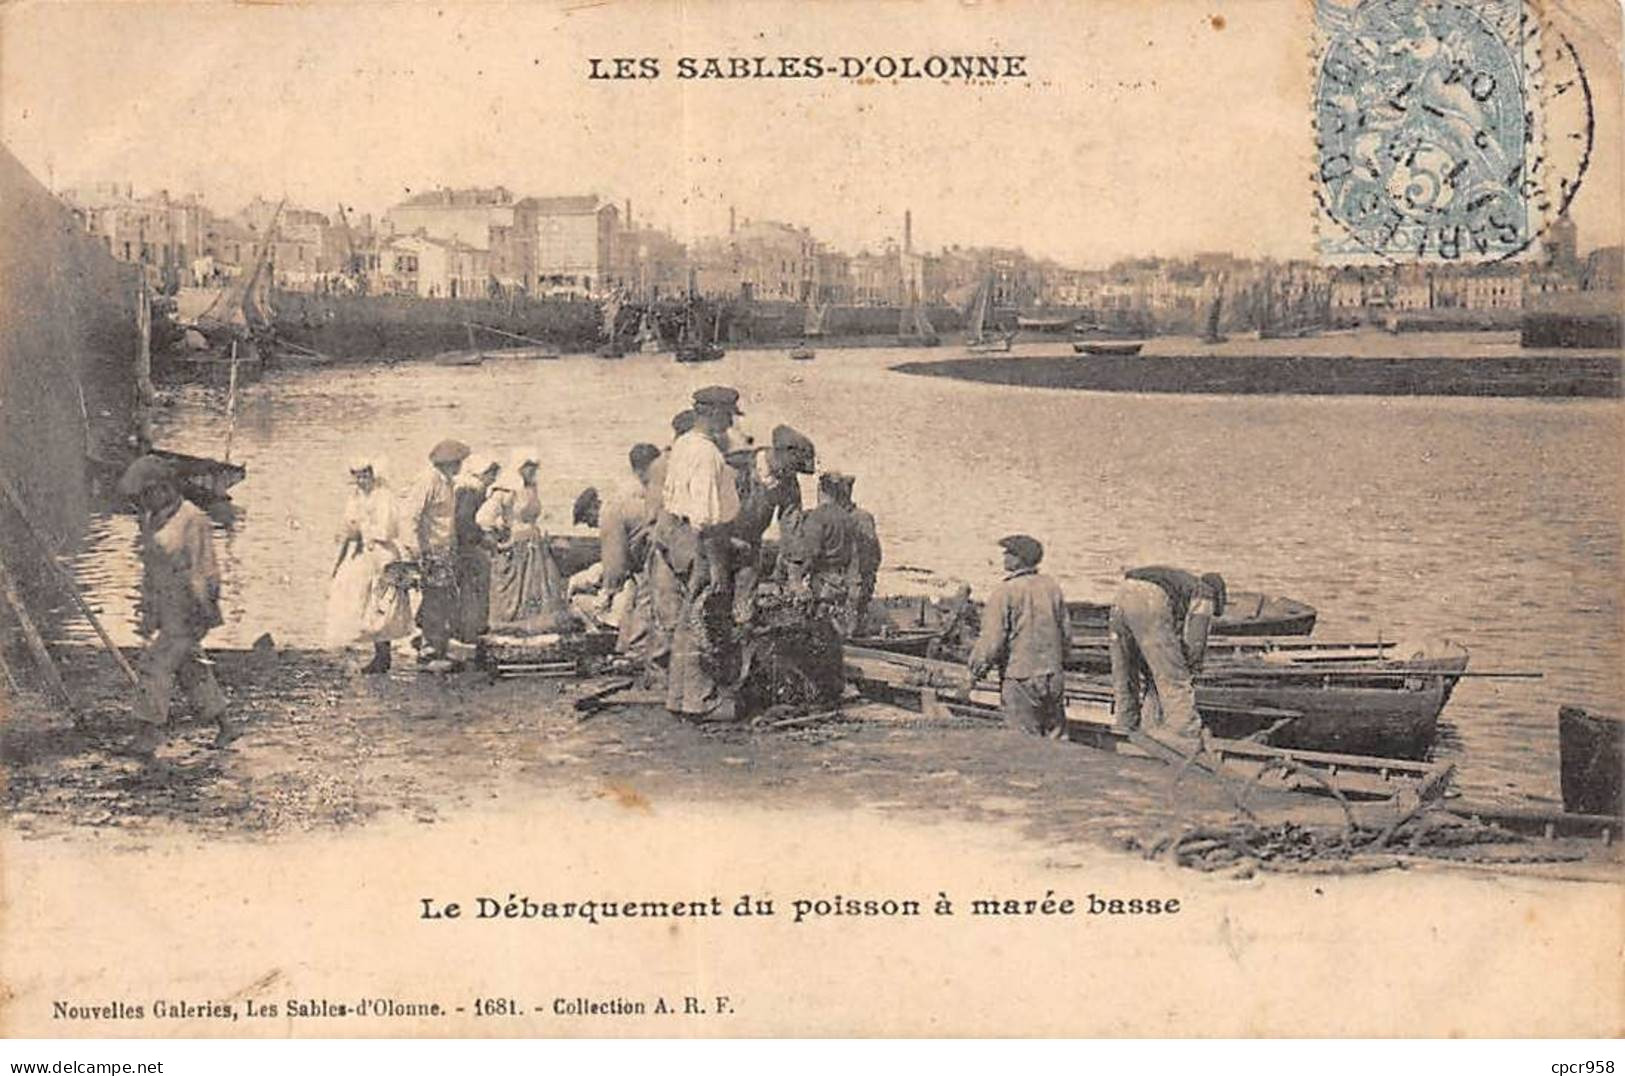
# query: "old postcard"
{"points": [[723, 519]]}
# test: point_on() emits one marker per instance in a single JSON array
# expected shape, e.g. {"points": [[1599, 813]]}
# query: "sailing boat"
{"points": [[816, 312], [692, 345], [611, 348], [976, 337], [240, 319], [913, 327], [1213, 335], [648, 334]]}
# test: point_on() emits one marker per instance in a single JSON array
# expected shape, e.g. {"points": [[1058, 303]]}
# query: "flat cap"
{"points": [[798, 446], [143, 472], [718, 398], [1027, 549], [682, 421], [586, 502], [450, 450], [835, 482]]}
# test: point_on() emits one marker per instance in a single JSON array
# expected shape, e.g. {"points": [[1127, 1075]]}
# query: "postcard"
{"points": [[665, 519]]}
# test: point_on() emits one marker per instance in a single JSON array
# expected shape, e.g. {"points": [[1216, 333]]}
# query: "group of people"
{"points": [[682, 556], [681, 551]]}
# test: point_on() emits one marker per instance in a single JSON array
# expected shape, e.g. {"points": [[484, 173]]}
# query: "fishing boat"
{"points": [[459, 357], [1591, 759], [695, 344], [648, 334], [816, 312], [1212, 335], [1246, 612], [1391, 714], [913, 327], [1107, 347], [535, 353], [977, 337], [802, 353], [1095, 339], [1045, 325]]}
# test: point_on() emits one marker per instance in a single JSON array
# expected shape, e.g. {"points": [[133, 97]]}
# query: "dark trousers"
{"points": [[1035, 704]]}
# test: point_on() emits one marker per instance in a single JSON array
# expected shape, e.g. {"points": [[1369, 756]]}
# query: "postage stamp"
{"points": [[1444, 131]]}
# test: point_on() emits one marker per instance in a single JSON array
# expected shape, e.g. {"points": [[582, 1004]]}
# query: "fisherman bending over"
{"points": [[1158, 637]]}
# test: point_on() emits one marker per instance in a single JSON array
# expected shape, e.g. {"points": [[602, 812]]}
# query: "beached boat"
{"points": [[460, 357], [1387, 713], [1107, 347], [1591, 759], [803, 353], [535, 352]]}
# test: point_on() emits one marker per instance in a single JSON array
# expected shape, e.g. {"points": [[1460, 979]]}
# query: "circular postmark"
{"points": [[1445, 131]]}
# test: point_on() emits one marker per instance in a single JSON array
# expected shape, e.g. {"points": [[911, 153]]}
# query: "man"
{"points": [[615, 591], [868, 552], [665, 589], [473, 560], [1158, 629], [432, 505], [1024, 635], [821, 554], [699, 503], [768, 489], [180, 602]]}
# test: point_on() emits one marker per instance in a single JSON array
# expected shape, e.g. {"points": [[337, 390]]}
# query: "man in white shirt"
{"points": [[699, 503]]}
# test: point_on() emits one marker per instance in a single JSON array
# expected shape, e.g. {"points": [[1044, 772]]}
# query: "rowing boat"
{"points": [[1345, 721]]}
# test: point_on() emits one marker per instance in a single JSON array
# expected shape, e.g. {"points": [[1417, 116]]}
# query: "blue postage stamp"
{"points": [[1425, 130]]}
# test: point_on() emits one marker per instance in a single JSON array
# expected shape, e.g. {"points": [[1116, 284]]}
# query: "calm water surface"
{"points": [[1495, 523]]}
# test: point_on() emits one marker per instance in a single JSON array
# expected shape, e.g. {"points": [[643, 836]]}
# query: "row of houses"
{"points": [[451, 243]]}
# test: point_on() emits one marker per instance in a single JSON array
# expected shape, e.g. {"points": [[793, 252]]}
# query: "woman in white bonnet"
{"points": [[366, 602]]}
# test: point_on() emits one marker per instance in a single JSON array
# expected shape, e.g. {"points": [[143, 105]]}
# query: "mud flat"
{"points": [[1533, 375]]}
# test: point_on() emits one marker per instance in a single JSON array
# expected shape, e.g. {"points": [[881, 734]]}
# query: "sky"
{"points": [[1142, 129]]}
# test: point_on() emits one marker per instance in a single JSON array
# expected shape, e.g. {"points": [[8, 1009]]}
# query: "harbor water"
{"points": [[1494, 523]]}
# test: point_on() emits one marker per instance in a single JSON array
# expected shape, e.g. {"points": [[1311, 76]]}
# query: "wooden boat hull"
{"points": [[1091, 347], [1360, 721], [803, 354], [532, 353], [458, 358], [989, 346], [1246, 612], [1591, 760], [702, 353]]}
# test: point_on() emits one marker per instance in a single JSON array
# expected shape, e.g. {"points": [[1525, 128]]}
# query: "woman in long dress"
{"points": [[366, 602], [527, 587]]}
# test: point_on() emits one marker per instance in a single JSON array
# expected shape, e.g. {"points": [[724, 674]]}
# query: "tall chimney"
{"points": [[908, 231]]}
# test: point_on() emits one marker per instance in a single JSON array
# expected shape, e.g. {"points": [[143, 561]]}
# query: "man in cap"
{"points": [[768, 489], [699, 503], [180, 602], [821, 554], [433, 507], [1024, 636], [473, 559], [1158, 637]]}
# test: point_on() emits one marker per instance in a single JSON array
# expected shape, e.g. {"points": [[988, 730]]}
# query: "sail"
{"points": [[245, 304], [978, 315]]}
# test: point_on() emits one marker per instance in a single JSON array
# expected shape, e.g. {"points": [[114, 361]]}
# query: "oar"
{"points": [[1346, 672]]}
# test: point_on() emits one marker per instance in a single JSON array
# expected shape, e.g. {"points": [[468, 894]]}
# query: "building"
{"points": [[566, 245], [432, 268], [1602, 269], [155, 229]]}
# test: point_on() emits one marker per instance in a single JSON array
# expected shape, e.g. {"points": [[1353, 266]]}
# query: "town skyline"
{"points": [[1109, 150]]}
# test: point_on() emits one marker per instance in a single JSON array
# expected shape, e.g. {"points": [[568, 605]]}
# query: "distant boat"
{"points": [[1107, 347], [803, 353], [695, 345], [1045, 325], [913, 327], [977, 338], [815, 316], [648, 334], [458, 358], [1213, 335]]}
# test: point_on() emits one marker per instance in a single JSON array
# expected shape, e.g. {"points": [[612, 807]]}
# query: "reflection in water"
{"points": [[1493, 522]]}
